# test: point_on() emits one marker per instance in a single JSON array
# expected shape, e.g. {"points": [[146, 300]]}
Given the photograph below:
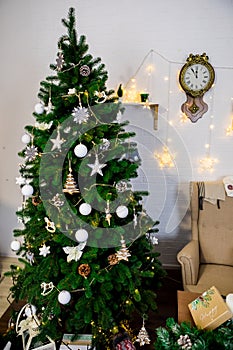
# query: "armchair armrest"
{"points": [[188, 257]]}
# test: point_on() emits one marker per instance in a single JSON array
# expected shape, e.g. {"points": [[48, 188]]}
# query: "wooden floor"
{"points": [[166, 301], [5, 283]]}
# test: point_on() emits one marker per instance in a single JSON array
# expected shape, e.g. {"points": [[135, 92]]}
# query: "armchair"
{"points": [[207, 260]]}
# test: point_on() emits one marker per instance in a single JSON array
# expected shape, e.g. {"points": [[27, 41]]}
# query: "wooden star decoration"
{"points": [[96, 167]]}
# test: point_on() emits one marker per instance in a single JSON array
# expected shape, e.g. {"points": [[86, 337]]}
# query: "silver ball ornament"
{"points": [[27, 190], [80, 150], [122, 211], [81, 235], [15, 245], [85, 209], [64, 297], [26, 138], [39, 108]]}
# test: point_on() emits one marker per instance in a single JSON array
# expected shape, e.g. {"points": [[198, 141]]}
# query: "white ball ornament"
{"points": [[15, 245], [122, 211], [81, 235], [80, 150], [26, 138], [85, 209], [30, 310], [27, 190], [39, 108], [64, 297]]}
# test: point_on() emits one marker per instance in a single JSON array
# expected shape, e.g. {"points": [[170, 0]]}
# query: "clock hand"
{"points": [[193, 72]]}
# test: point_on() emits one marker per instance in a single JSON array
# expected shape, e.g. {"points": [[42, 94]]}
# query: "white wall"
{"points": [[122, 33]]}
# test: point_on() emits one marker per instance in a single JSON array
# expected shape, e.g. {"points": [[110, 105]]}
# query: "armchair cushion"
{"points": [[220, 276]]}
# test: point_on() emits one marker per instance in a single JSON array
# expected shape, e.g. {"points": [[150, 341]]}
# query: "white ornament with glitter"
{"points": [[80, 150], [64, 297]]}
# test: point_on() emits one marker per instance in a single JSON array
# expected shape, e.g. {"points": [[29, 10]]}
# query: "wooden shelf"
{"points": [[154, 107]]}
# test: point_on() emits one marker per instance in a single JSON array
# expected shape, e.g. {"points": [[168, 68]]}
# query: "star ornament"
{"points": [[96, 167], [44, 250], [57, 142]]}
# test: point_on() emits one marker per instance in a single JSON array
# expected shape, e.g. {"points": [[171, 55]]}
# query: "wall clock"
{"points": [[196, 78]]}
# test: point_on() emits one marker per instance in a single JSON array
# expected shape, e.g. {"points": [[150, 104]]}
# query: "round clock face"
{"points": [[196, 78]]}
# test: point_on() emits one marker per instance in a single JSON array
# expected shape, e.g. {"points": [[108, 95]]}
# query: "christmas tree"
{"points": [[87, 258]]}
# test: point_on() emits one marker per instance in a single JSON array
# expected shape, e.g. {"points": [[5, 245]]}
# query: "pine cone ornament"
{"points": [[185, 342]]}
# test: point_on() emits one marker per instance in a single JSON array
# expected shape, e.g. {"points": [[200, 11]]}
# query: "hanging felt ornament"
{"points": [[70, 184]]}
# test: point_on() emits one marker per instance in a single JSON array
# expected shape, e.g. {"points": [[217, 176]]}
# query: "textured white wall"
{"points": [[122, 33]]}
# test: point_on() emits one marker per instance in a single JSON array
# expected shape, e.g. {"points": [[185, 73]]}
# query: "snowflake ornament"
{"points": [[56, 201], [121, 186], [30, 153], [44, 250], [80, 115], [20, 180]]}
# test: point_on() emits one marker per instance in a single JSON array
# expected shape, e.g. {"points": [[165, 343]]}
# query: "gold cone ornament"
{"points": [[70, 184]]}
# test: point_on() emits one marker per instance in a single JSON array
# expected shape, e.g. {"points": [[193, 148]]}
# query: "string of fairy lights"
{"points": [[133, 94]]}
